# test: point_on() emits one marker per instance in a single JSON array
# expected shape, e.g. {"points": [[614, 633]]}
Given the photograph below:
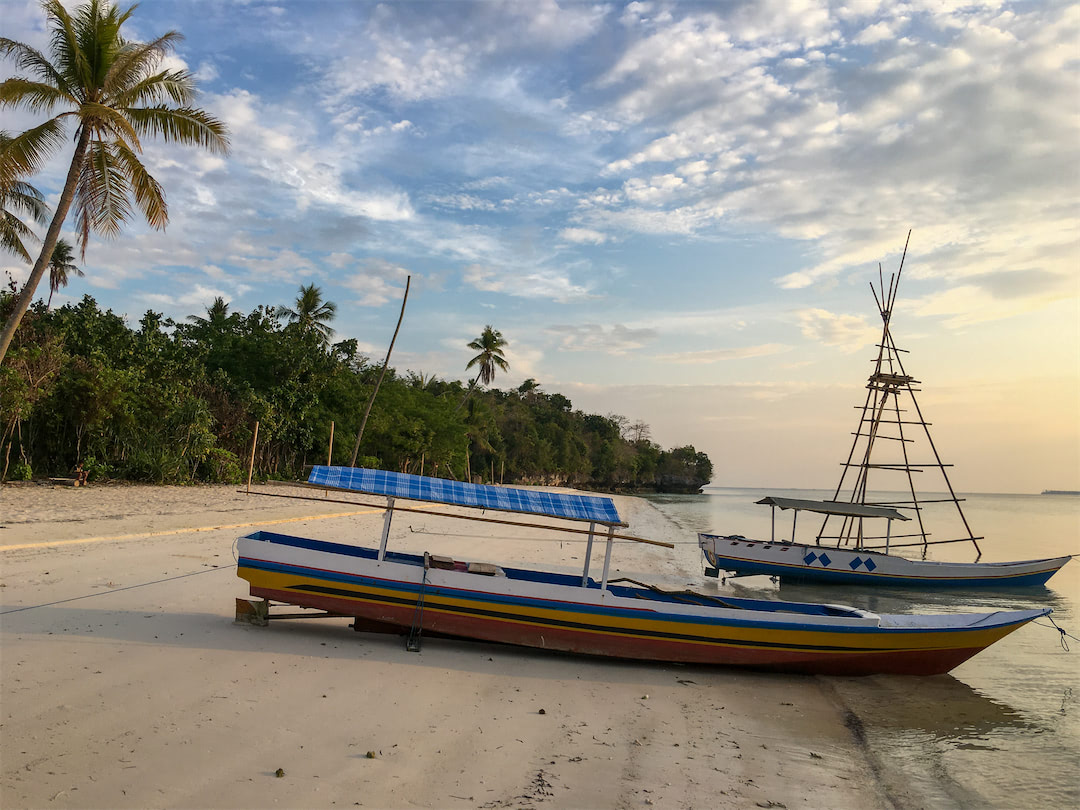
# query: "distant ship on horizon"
{"points": [[1060, 492]]}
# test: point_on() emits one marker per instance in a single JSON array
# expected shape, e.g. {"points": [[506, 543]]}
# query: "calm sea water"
{"points": [[1003, 729]]}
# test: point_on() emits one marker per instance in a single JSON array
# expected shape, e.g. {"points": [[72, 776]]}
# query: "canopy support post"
{"points": [[888, 534], [607, 557], [588, 554], [773, 538], [794, 517], [386, 527]]}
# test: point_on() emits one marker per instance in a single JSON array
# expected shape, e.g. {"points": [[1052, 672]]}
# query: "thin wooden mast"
{"points": [[887, 384]]}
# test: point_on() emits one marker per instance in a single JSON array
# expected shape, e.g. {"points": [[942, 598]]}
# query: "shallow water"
{"points": [[1003, 729]]}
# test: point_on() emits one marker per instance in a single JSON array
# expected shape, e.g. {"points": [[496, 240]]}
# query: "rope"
{"points": [[117, 590], [1063, 636]]}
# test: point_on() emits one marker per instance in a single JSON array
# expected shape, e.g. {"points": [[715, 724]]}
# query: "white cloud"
{"points": [[708, 356], [616, 339], [583, 236], [847, 332], [549, 284]]}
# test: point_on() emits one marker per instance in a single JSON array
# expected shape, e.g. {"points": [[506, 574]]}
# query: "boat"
{"points": [[418, 594], [890, 429], [830, 565]]}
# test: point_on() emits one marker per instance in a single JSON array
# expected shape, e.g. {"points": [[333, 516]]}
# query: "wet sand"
{"points": [[125, 683]]}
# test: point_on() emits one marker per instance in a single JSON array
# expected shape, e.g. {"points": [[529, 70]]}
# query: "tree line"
{"points": [[176, 402]]}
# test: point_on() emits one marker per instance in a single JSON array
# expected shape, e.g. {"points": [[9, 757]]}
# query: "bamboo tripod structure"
{"points": [[882, 421]]}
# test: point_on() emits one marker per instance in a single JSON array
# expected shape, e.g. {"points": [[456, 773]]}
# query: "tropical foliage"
{"points": [[115, 92], [166, 401]]}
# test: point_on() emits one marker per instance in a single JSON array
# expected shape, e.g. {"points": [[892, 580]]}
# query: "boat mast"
{"points": [[882, 407]]}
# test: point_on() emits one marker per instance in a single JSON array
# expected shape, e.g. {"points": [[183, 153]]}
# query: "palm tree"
{"points": [[216, 315], [61, 268], [116, 92], [490, 344], [312, 314], [18, 199]]}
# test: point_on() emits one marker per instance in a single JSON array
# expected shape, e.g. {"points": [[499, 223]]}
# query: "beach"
{"points": [[126, 682]]}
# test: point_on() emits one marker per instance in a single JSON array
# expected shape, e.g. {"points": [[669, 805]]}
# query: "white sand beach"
{"points": [[127, 684]]}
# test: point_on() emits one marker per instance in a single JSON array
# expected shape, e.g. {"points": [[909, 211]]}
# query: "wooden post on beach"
{"points": [[422, 462], [330, 454], [251, 463]]}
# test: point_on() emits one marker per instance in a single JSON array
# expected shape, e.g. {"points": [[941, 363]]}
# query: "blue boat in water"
{"points": [[833, 565], [891, 432]]}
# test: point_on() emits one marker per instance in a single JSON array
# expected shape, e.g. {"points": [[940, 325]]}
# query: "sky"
{"points": [[671, 211]]}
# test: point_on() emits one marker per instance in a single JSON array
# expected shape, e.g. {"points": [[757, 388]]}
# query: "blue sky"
{"points": [[672, 211]]}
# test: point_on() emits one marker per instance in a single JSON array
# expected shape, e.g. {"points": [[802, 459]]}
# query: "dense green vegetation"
{"points": [[172, 402]]}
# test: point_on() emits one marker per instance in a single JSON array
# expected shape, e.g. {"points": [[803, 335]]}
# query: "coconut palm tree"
{"points": [[216, 315], [490, 344], [115, 92], [61, 268], [312, 314], [18, 199]]}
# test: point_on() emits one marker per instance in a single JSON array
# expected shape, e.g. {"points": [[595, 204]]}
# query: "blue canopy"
{"points": [[458, 493]]}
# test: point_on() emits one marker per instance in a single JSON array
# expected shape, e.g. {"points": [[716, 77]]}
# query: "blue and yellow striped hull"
{"points": [[553, 611]]}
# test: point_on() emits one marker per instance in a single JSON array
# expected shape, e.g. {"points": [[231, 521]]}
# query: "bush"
{"points": [[20, 471], [221, 467]]}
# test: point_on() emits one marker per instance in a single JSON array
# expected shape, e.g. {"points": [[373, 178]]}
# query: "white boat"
{"points": [[799, 562], [891, 431]]}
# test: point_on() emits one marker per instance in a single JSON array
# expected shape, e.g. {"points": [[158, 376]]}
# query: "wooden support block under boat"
{"points": [[252, 611]]}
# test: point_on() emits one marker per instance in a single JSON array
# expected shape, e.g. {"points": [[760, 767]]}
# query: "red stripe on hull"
{"points": [[615, 645]]}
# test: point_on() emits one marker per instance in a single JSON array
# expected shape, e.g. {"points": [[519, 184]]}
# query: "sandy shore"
{"points": [[126, 683]]}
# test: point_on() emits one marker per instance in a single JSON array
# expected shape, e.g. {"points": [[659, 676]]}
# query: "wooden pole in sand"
{"points": [[330, 452], [251, 463]]}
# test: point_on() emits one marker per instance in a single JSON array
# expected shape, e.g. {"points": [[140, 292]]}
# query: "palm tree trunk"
{"points": [[469, 392], [51, 237], [386, 362]]}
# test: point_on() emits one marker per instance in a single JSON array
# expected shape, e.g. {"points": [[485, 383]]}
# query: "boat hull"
{"points": [[796, 562], [546, 611]]}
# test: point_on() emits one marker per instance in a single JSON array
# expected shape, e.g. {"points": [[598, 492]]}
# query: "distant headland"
{"points": [[1060, 492]]}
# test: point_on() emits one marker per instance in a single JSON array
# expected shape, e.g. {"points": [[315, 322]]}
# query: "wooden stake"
{"points": [[251, 463]]}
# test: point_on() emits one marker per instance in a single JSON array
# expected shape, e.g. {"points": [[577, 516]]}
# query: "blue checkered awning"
{"points": [[459, 493]]}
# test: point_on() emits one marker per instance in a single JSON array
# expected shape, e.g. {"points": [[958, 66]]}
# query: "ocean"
{"points": [[1001, 730]]}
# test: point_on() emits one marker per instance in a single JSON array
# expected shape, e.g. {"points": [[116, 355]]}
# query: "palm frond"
{"points": [[137, 61], [101, 199], [187, 125], [148, 192], [35, 96], [168, 85], [27, 58], [12, 233], [101, 117], [24, 154]]}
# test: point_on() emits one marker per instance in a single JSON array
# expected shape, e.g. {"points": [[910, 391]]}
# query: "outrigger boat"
{"points": [[884, 441], [415, 594], [834, 565]]}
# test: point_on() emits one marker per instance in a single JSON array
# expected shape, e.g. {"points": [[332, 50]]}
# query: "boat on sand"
{"points": [[418, 594]]}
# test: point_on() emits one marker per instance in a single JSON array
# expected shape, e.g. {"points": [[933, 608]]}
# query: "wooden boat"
{"points": [[799, 562], [423, 593], [891, 429]]}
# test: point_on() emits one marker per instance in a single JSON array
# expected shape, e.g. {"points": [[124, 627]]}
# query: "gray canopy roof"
{"points": [[835, 508]]}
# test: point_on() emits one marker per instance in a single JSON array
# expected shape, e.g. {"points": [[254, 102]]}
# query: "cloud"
{"points": [[717, 355], [847, 332], [591, 337], [583, 236], [373, 282], [550, 284]]}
